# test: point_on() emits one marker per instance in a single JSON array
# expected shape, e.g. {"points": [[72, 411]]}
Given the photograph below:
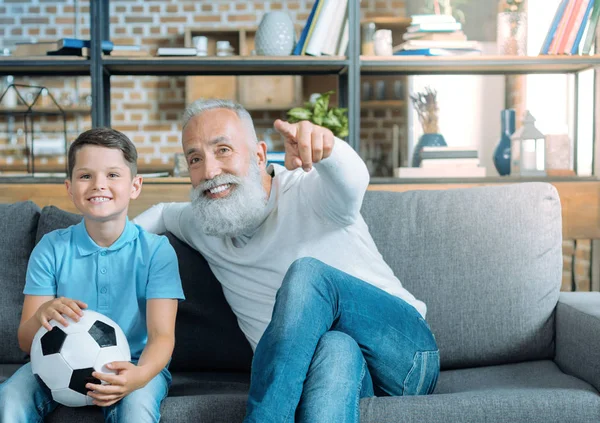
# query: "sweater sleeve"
{"points": [[172, 217], [337, 188]]}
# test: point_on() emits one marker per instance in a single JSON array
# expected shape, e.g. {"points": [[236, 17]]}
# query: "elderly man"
{"points": [[327, 318]]}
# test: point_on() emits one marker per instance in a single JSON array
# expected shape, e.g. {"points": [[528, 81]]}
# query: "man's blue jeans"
{"points": [[332, 338], [24, 400]]}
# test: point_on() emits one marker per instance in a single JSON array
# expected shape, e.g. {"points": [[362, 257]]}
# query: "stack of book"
{"points": [[75, 47], [573, 28], [435, 35], [445, 162], [326, 30]]}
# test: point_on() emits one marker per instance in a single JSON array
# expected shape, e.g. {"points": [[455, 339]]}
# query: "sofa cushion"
{"points": [[487, 261], [53, 218], [207, 336], [534, 392], [18, 225]]}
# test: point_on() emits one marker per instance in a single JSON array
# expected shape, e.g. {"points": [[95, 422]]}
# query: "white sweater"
{"points": [[314, 214]]}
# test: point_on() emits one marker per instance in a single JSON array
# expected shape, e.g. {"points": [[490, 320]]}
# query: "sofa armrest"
{"points": [[578, 335]]}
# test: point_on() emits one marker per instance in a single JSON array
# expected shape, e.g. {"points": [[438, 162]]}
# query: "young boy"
{"points": [[106, 264]]}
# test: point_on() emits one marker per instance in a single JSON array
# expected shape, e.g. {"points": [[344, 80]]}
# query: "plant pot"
{"points": [[427, 140]]}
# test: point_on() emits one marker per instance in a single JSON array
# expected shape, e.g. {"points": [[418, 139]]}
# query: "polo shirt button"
{"points": [[103, 270], [103, 253], [103, 290]]}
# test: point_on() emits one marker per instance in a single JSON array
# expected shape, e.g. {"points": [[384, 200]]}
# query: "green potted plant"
{"points": [[318, 112]]}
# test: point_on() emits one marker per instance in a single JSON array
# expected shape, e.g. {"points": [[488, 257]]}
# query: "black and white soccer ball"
{"points": [[65, 357]]}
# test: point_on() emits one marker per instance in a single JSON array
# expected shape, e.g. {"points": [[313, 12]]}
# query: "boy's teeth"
{"points": [[99, 199], [218, 189]]}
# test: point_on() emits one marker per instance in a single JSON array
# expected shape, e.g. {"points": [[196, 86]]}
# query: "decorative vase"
{"points": [[502, 152], [427, 140], [512, 33], [275, 35]]}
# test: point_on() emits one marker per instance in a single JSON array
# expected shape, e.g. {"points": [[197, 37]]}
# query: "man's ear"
{"points": [[261, 153], [136, 187]]}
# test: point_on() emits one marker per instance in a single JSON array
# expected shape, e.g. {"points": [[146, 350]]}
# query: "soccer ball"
{"points": [[64, 358]]}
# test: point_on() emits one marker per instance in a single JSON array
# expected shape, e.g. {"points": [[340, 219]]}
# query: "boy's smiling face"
{"points": [[101, 185]]}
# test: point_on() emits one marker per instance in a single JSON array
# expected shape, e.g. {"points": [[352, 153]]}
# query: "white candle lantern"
{"points": [[528, 147]]}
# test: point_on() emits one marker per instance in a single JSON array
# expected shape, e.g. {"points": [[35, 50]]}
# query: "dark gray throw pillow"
{"points": [[18, 225], [53, 218], [207, 336]]}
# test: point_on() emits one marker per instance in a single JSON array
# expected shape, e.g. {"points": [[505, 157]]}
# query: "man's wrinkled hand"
{"points": [[305, 143]]}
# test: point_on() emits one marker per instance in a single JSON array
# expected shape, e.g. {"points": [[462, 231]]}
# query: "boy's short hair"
{"points": [[104, 137]]}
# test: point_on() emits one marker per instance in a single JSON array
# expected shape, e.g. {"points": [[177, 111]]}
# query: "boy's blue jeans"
{"points": [[332, 338], [24, 400]]}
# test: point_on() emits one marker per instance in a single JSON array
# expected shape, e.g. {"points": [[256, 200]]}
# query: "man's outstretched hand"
{"points": [[305, 143]]}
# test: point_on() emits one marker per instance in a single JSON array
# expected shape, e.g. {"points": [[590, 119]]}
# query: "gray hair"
{"points": [[200, 106]]}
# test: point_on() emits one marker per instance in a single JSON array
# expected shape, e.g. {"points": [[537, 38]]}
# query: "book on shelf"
{"points": [[590, 34], [449, 153], [458, 162], [573, 28], [62, 47], [335, 30], [435, 36], [431, 18], [440, 172], [277, 157], [87, 52], [326, 31], [300, 47], [176, 51], [447, 44], [438, 52], [435, 27]]}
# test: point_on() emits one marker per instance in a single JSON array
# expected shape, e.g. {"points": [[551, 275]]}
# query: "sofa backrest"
{"points": [[18, 226], [487, 261]]}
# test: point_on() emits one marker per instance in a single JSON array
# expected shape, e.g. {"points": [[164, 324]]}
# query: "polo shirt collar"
{"points": [[86, 245]]}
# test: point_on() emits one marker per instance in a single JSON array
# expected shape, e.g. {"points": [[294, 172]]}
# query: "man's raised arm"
{"points": [[338, 186]]}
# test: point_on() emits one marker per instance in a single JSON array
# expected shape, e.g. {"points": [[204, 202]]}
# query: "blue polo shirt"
{"points": [[115, 281]]}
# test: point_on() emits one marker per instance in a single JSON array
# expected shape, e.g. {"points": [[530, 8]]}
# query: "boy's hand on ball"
{"points": [[129, 377], [58, 308]]}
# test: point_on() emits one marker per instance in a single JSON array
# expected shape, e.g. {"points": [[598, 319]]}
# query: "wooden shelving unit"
{"points": [[44, 66], [232, 65], [475, 65]]}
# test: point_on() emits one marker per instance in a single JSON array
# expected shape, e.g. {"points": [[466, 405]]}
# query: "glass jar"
{"points": [[368, 39], [512, 33]]}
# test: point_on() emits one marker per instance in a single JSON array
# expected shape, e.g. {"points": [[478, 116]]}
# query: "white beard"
{"points": [[239, 213]]}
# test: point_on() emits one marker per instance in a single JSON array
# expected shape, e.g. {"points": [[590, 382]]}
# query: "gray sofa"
{"points": [[488, 263]]}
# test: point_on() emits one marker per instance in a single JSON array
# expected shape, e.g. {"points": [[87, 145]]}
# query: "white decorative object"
{"points": [[528, 149], [383, 42], [558, 152], [275, 35], [200, 42], [511, 33]]}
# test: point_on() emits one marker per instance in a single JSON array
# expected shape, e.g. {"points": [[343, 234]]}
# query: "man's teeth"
{"points": [[99, 199], [218, 189]]}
